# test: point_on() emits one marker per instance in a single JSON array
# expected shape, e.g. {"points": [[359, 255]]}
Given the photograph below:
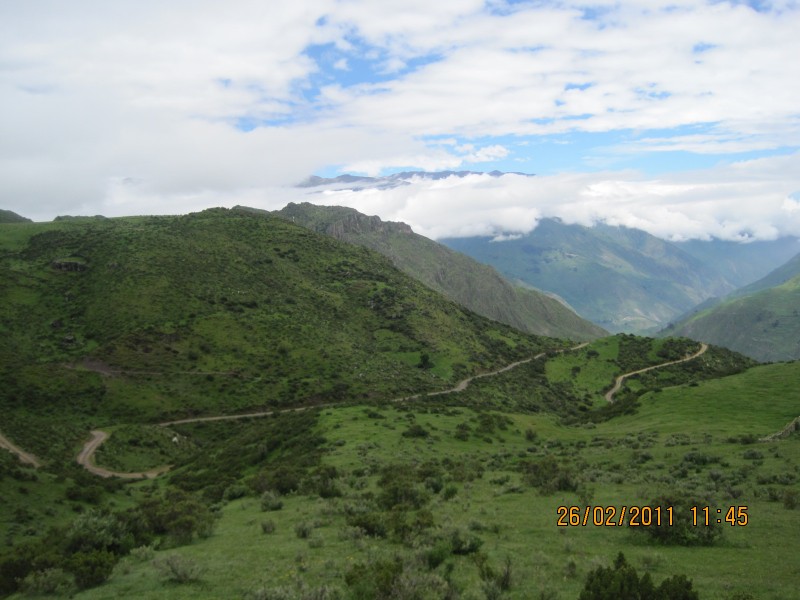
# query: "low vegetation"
{"points": [[376, 490]]}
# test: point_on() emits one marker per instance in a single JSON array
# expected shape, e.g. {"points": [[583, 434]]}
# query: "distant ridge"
{"points": [[761, 320], [462, 279], [620, 278], [357, 182]]}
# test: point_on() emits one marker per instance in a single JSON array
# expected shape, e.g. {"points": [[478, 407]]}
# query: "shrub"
{"points": [[463, 542], [303, 530], [91, 568], [267, 527], [549, 475], [416, 431], [143, 553], [271, 501], [681, 531], [622, 581], [177, 568], [49, 582], [450, 492]]}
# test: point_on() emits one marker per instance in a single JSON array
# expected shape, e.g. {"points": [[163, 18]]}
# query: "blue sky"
{"points": [[132, 107]]}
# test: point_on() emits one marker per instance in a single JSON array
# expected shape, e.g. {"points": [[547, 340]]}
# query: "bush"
{"points": [[463, 542], [416, 431], [549, 475], [681, 532], [303, 530], [271, 501], [622, 581], [49, 582], [91, 568], [267, 527], [177, 568]]}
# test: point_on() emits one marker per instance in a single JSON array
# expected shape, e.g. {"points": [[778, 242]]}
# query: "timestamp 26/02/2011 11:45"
{"points": [[647, 516]]}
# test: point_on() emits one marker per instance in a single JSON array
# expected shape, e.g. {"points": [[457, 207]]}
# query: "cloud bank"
{"points": [[680, 116]]}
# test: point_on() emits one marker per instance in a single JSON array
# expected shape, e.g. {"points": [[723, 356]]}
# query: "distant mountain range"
{"points": [[473, 285], [357, 182]]}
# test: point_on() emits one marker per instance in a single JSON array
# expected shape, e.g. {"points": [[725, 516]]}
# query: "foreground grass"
{"points": [[625, 461]]}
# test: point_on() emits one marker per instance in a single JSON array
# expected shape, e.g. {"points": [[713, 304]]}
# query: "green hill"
{"points": [[373, 489], [445, 500], [761, 321], [473, 285], [622, 279], [143, 319], [7, 216]]}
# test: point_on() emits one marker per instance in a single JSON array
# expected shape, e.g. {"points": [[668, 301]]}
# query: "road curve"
{"points": [[618, 382], [86, 460]]}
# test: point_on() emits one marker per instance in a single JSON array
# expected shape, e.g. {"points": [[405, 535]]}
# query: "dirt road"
{"points": [[623, 377], [86, 460], [25, 457]]}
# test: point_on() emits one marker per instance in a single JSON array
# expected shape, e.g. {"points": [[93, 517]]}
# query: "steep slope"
{"points": [[139, 319], [476, 286], [760, 320], [622, 279]]}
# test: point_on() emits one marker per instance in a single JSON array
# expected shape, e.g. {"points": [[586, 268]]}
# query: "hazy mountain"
{"points": [[742, 263], [357, 182], [622, 279], [476, 286], [7, 216], [760, 320]]}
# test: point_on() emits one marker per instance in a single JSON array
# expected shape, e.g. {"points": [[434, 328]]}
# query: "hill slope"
{"points": [[142, 319], [7, 216], [760, 320], [476, 286], [622, 279]]}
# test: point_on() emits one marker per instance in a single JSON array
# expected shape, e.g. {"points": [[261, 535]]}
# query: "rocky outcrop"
{"points": [[358, 223]]}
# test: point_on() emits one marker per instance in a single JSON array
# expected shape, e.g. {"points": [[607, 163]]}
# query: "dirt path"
{"points": [[86, 456], [793, 426], [86, 460], [619, 381], [25, 457]]}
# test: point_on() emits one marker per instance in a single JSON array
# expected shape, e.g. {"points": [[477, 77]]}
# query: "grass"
{"points": [[450, 485], [628, 461]]}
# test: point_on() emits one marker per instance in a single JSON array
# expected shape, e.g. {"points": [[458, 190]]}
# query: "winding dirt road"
{"points": [[619, 381], [86, 456]]}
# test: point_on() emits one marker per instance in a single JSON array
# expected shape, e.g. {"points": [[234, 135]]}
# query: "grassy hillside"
{"points": [[145, 319], [762, 324], [622, 279], [121, 324], [424, 500], [476, 286]]}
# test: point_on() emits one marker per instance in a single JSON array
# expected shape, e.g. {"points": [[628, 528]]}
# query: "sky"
{"points": [[680, 117]]}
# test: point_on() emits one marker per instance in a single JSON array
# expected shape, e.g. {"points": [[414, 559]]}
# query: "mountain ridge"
{"points": [[478, 287]]}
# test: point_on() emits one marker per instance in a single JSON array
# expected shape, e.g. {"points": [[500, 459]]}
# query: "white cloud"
{"points": [[737, 202], [93, 93]]}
